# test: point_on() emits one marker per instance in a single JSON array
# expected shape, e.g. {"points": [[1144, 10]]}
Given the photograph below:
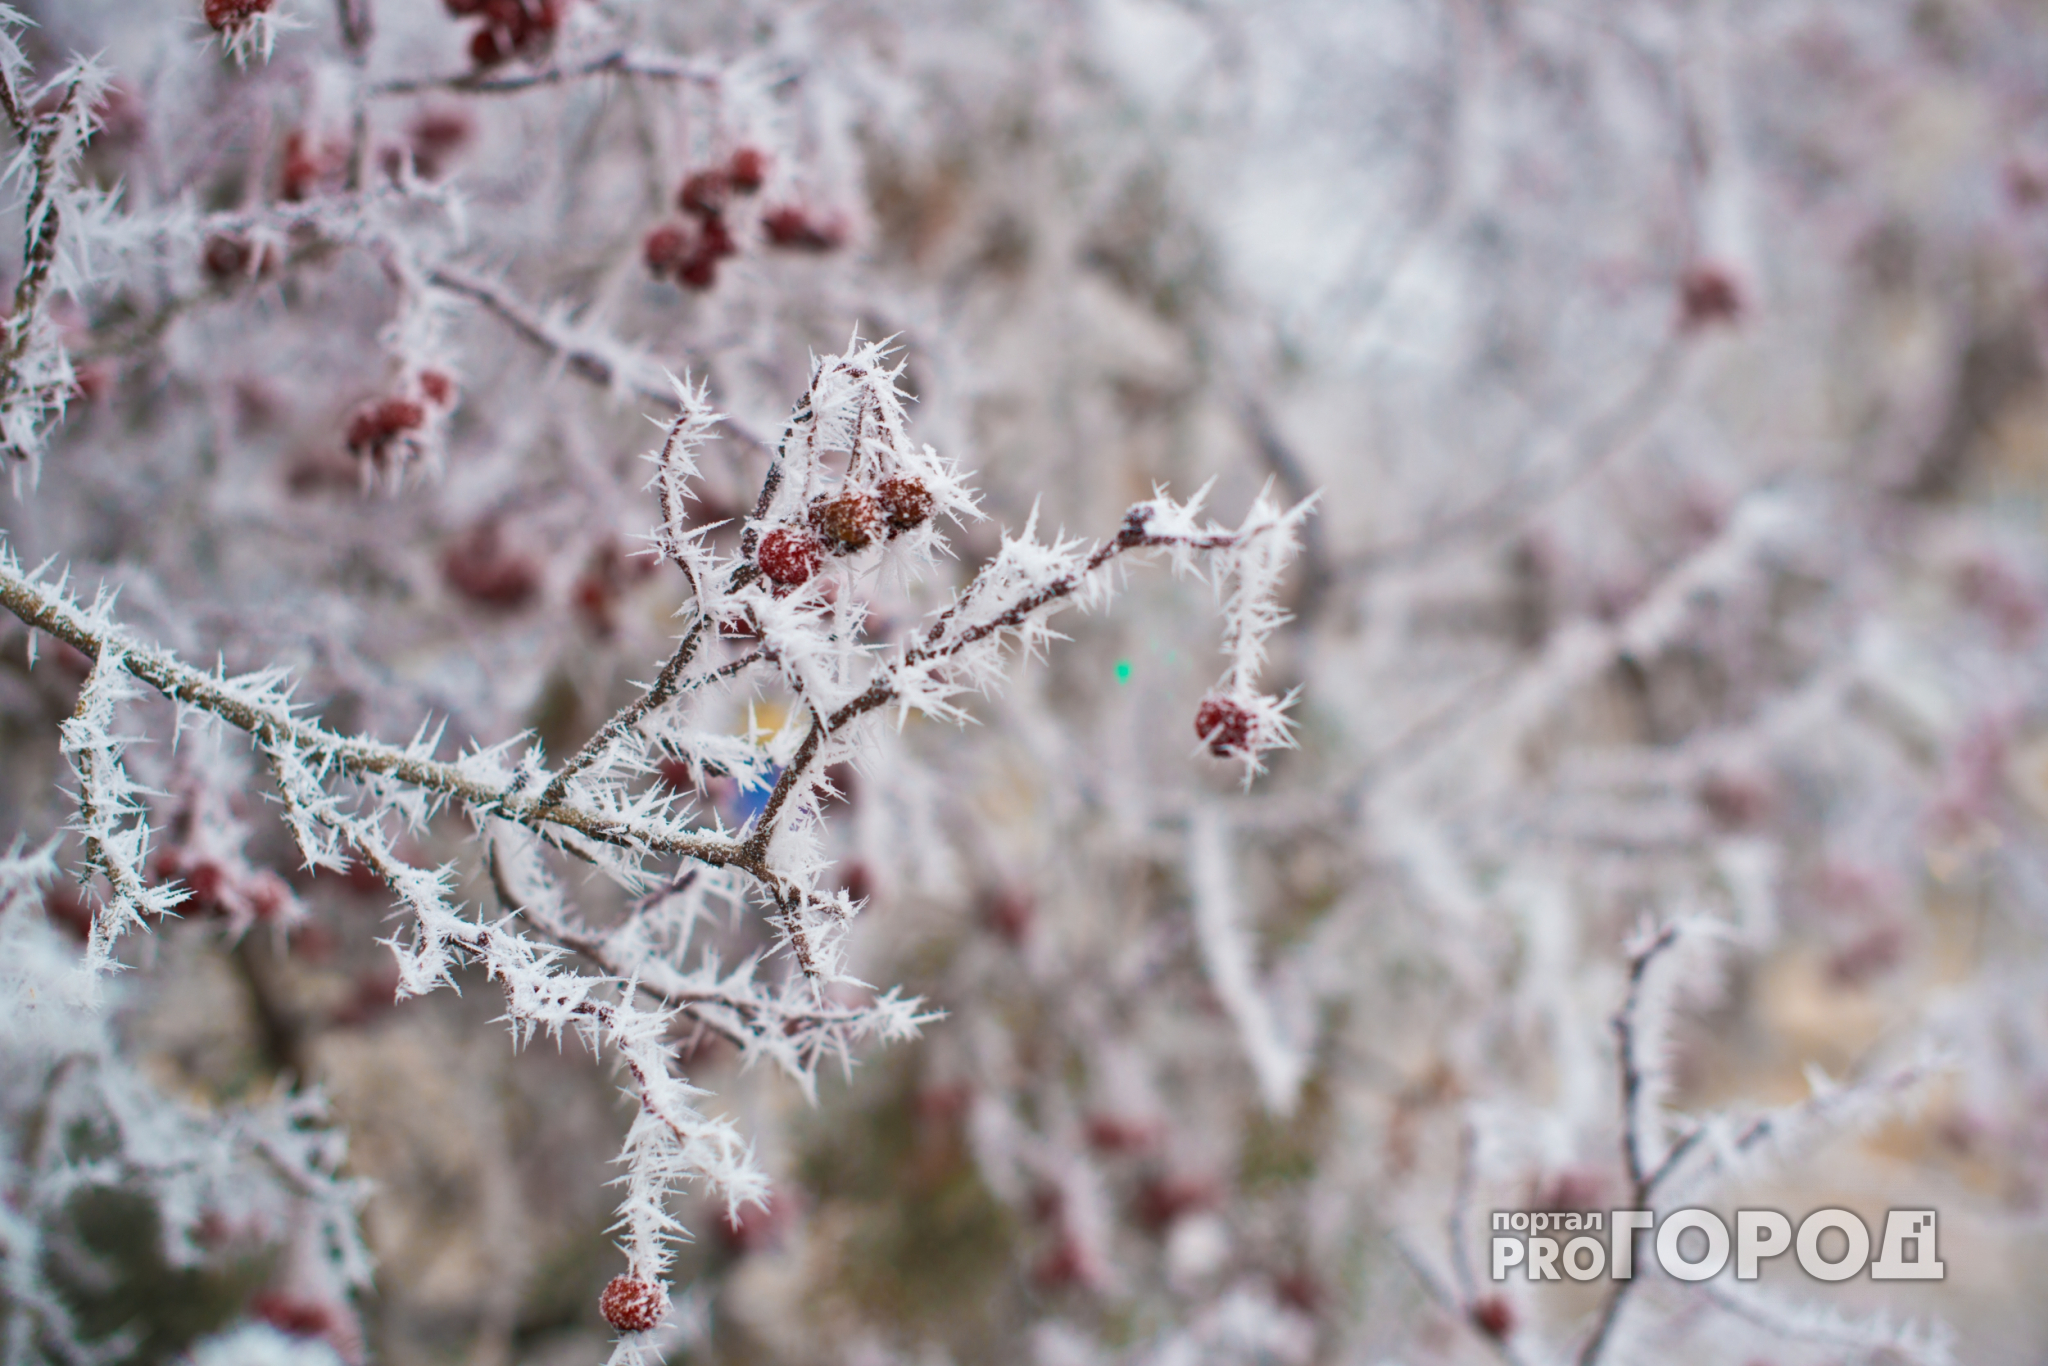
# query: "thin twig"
{"points": [[647, 66]]}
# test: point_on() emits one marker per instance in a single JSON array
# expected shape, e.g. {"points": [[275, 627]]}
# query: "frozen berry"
{"points": [[632, 1305], [797, 229], [906, 503], [1708, 294], [848, 522], [437, 387], [1224, 724], [310, 165], [666, 248], [716, 241], [379, 422], [490, 46], [295, 1315], [437, 135], [226, 257], [747, 170], [222, 15], [699, 270], [488, 572], [788, 556], [704, 193], [1494, 1316]]}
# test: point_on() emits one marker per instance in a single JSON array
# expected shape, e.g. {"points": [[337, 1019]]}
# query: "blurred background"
{"points": [[1671, 375]]}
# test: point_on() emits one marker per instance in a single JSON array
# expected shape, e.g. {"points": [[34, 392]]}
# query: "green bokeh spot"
{"points": [[1123, 671]]}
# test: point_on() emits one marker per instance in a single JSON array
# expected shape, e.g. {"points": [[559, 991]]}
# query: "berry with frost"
{"points": [[748, 170], [633, 1305], [227, 257], [848, 522], [437, 387], [665, 249], [795, 228], [377, 425], [705, 193], [788, 557], [1225, 725], [223, 16], [906, 503]]}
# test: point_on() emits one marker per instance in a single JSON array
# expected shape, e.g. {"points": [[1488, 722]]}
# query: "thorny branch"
{"points": [[644, 65], [43, 222], [47, 608], [1643, 1174]]}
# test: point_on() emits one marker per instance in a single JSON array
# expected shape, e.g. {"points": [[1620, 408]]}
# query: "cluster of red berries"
{"points": [[633, 1305], [690, 250], [512, 28], [842, 525], [379, 426], [1225, 725], [225, 16]]}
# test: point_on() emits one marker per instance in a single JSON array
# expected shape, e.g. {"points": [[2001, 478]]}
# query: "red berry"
{"points": [[788, 556], [906, 503], [378, 423], [295, 1316], [438, 388], [848, 522], [222, 15], [747, 170], [794, 228], [1009, 914], [1166, 1198], [401, 414], [436, 136], [632, 1305], [699, 269], [490, 46], [1225, 724], [704, 193], [1494, 1316], [1121, 1134], [308, 166], [1707, 295], [364, 431], [489, 573], [665, 248], [716, 241]]}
